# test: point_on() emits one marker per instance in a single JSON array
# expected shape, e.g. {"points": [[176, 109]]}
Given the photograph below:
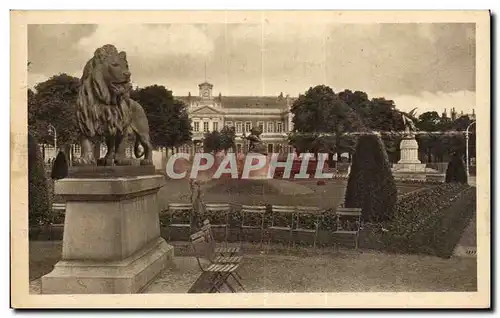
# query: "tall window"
{"points": [[205, 126], [238, 127], [270, 127], [215, 126], [260, 124], [279, 127], [196, 126], [248, 126]]}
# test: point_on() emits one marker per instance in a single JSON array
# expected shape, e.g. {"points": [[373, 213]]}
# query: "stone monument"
{"points": [[111, 241], [409, 166]]}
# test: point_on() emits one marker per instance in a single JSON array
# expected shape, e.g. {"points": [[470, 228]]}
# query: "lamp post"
{"points": [[467, 147], [53, 129]]}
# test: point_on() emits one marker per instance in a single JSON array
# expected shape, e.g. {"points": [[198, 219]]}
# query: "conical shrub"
{"points": [[456, 170], [371, 185]]}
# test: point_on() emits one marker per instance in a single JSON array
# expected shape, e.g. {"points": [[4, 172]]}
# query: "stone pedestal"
{"points": [[409, 157], [111, 242]]}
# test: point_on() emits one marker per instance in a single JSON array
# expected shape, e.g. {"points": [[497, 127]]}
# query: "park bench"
{"points": [[218, 215], [177, 219], [348, 222], [216, 274], [255, 215]]}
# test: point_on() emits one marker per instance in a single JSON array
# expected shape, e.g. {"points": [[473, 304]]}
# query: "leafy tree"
{"points": [[429, 121], [371, 185], [54, 103], [456, 170], [168, 118], [318, 111], [384, 116], [212, 142], [228, 136], [38, 194]]}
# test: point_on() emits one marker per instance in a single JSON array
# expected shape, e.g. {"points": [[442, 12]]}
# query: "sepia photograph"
{"points": [[329, 156]]}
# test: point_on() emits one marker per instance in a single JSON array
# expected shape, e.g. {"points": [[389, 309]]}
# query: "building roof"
{"points": [[263, 102]]}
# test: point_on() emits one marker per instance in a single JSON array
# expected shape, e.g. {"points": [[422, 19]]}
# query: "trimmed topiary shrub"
{"points": [[38, 194], [371, 185], [456, 170]]}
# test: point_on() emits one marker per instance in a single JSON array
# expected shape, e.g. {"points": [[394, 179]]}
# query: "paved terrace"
{"points": [[304, 270]]}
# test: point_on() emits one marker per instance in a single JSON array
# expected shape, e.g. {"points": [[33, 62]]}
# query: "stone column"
{"points": [[111, 241]]}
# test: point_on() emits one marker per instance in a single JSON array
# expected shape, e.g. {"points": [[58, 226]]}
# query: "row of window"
{"points": [[196, 126], [271, 127]]}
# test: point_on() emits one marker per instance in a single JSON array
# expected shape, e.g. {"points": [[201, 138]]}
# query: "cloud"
{"points": [[426, 101], [149, 41]]}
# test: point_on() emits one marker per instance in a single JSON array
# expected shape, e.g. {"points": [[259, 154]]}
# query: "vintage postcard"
{"points": [[250, 159]]}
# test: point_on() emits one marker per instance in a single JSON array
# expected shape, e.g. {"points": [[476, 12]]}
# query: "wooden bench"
{"points": [[348, 222]]}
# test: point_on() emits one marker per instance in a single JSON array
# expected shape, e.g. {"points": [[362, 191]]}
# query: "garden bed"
{"points": [[430, 221]]}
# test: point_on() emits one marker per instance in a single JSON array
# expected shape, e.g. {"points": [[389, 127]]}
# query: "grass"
{"points": [[247, 192]]}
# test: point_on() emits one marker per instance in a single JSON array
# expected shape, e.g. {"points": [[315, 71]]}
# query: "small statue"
{"points": [[409, 125], [255, 141]]}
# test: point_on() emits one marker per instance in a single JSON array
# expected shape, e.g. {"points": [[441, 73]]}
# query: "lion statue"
{"points": [[105, 110]]}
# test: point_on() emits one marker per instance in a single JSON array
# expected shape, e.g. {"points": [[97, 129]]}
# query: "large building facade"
{"points": [[271, 114]]}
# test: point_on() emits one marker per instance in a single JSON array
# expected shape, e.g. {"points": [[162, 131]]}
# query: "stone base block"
{"points": [[411, 167], [126, 276]]}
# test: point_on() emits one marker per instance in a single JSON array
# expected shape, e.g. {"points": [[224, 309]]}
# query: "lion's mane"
{"points": [[100, 110]]}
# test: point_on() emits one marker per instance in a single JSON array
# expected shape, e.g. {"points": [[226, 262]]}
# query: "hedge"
{"points": [[430, 221], [39, 196]]}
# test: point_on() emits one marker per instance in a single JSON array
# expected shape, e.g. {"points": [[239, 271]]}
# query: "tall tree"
{"points": [[318, 111], [168, 118], [54, 103]]}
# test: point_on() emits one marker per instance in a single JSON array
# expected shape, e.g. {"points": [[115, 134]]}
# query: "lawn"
{"points": [[254, 192]]}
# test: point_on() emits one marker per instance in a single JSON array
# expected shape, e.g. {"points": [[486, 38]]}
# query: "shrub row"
{"points": [[326, 219], [430, 221]]}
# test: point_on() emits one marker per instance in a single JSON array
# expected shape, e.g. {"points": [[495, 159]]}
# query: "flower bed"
{"points": [[430, 221]]}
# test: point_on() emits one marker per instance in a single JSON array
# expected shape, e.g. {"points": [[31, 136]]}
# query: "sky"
{"points": [[423, 66]]}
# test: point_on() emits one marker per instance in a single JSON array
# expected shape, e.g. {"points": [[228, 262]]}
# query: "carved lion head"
{"points": [[105, 82]]}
